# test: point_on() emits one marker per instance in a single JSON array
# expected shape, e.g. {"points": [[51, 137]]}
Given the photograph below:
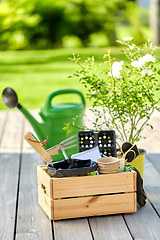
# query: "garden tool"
{"points": [[130, 152], [62, 146], [53, 117], [34, 143], [46, 154]]}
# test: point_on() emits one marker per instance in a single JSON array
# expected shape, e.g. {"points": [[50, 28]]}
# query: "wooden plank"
{"points": [[87, 206], [3, 121], [93, 206], [44, 180], [9, 171], [144, 224], [73, 229], [109, 227], [8, 193], [32, 222], [46, 203], [12, 136], [90, 185], [155, 160], [93, 185], [152, 183]]}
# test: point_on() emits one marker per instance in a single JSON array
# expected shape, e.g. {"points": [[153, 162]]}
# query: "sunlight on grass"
{"points": [[34, 75]]}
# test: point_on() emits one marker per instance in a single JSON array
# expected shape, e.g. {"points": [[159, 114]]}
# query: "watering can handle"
{"points": [[65, 91]]}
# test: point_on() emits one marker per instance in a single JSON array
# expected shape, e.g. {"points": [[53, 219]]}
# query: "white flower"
{"points": [[95, 92], [115, 73], [149, 58], [127, 38], [147, 71], [132, 46], [139, 64], [136, 64], [117, 66]]}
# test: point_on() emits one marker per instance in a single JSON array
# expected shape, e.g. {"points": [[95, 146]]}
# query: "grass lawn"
{"points": [[34, 75]]}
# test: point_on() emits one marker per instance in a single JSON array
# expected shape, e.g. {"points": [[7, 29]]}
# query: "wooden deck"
{"points": [[22, 218]]}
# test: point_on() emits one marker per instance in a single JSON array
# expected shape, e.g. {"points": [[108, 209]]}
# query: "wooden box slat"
{"points": [[90, 185]]}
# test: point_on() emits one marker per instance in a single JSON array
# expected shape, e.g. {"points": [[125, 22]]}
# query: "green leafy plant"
{"points": [[125, 92]]}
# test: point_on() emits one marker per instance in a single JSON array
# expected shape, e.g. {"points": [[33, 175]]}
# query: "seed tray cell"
{"points": [[105, 140], [87, 139], [109, 152]]}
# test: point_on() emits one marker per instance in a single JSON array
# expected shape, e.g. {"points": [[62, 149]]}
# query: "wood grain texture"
{"points": [[87, 206], [94, 206], [154, 159], [46, 203], [3, 122], [144, 224], [32, 141], [9, 170], [93, 185], [44, 180], [152, 184], [76, 229], [109, 227], [32, 222]]}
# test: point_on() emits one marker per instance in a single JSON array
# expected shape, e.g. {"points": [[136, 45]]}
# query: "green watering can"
{"points": [[53, 118]]}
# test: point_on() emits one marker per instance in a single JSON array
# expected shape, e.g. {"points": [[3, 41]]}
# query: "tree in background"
{"points": [[40, 24], [97, 16], [32, 24]]}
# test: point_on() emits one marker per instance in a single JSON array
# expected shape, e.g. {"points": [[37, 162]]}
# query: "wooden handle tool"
{"points": [[29, 137]]}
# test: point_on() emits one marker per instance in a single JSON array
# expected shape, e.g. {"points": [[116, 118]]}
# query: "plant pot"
{"points": [[138, 162]]}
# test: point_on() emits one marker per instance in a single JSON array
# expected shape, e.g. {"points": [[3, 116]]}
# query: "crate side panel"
{"points": [[94, 206], [44, 180], [46, 203], [135, 180], [94, 185]]}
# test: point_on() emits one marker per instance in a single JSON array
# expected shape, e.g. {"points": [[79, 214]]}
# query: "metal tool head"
{"points": [[66, 141], [63, 146]]}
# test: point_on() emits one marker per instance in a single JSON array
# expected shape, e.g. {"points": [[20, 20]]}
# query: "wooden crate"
{"points": [[83, 196]]}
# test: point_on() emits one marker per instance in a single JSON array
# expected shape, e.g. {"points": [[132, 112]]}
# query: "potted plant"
{"points": [[126, 92]]}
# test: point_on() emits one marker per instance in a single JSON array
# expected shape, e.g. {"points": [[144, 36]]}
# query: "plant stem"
{"points": [[144, 123]]}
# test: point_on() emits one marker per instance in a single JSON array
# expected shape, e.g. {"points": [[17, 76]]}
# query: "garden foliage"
{"points": [[124, 95], [40, 24]]}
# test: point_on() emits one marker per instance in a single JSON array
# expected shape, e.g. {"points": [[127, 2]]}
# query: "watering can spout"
{"points": [[39, 128], [10, 99]]}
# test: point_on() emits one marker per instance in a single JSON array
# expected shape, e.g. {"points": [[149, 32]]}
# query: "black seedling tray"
{"points": [[105, 140]]}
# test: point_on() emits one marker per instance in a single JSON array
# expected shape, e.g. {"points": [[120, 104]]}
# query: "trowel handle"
{"points": [[29, 137]]}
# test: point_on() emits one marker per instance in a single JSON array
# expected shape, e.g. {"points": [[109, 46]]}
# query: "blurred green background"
{"points": [[37, 38]]}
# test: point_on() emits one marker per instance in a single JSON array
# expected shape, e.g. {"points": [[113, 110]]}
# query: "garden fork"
{"points": [[62, 146]]}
